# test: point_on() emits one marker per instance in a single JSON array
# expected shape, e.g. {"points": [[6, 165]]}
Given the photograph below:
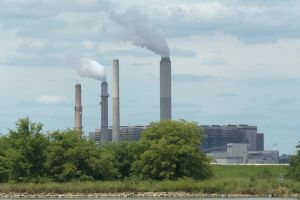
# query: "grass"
{"points": [[260, 180], [248, 171]]}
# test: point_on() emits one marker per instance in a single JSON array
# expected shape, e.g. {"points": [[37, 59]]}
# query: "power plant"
{"points": [[226, 144], [116, 133]]}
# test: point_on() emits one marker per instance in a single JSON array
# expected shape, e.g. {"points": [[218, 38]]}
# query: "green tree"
{"points": [[125, 153], [3, 160], [74, 158], [170, 150], [294, 167], [26, 152]]}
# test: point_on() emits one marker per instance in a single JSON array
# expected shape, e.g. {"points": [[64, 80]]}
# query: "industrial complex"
{"points": [[224, 143]]}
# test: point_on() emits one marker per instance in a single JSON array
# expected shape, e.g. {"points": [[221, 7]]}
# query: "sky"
{"points": [[233, 62]]}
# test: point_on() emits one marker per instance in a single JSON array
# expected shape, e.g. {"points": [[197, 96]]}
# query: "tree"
{"points": [[74, 158], [170, 150], [26, 152], [3, 160], [294, 167], [125, 153], [68, 156]]}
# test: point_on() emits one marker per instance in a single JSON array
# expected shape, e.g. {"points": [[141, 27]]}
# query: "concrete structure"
{"points": [[104, 111], [238, 153], [263, 157], [78, 108], [115, 102], [237, 150], [165, 89], [260, 142], [127, 133], [216, 137]]}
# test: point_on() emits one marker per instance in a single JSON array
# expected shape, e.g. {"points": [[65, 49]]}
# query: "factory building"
{"points": [[216, 137], [260, 142], [225, 143], [238, 153], [127, 133]]}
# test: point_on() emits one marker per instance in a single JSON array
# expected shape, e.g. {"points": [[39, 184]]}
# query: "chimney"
{"points": [[104, 112], [115, 102], [165, 89], [78, 108]]}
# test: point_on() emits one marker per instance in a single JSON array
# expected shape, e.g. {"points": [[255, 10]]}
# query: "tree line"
{"points": [[294, 167], [166, 150]]}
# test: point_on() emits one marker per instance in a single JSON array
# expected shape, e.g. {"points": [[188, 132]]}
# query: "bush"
{"points": [[170, 150]]}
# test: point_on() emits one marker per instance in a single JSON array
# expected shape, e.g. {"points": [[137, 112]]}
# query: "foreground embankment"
{"points": [[228, 181], [135, 195]]}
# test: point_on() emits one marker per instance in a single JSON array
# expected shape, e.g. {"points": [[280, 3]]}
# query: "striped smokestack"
{"points": [[78, 108], [165, 89], [115, 102], [104, 112]]}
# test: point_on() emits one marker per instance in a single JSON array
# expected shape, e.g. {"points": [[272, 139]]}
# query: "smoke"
{"points": [[91, 69], [136, 28]]}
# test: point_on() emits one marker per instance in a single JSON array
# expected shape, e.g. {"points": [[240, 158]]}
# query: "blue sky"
{"points": [[233, 62]]}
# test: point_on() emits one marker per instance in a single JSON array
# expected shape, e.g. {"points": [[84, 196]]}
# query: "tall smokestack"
{"points": [[115, 102], [165, 89], [104, 112], [78, 108]]}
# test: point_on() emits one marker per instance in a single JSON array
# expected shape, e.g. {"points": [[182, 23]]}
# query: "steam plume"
{"points": [[91, 69], [136, 28]]}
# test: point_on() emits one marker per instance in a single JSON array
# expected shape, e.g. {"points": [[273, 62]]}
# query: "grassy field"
{"points": [[248, 171], [259, 180]]}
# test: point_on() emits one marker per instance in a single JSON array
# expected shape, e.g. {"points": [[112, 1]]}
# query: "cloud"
{"points": [[285, 102], [227, 95], [31, 9], [142, 63], [250, 22], [213, 62], [56, 19], [33, 60], [52, 99], [190, 77], [186, 105], [183, 53]]}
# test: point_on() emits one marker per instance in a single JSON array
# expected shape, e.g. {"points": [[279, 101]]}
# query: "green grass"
{"points": [[259, 180], [247, 171]]}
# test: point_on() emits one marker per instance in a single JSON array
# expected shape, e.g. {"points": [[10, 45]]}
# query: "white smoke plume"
{"points": [[91, 69], [136, 28]]}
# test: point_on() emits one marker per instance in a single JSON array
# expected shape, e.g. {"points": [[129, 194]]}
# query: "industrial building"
{"points": [[225, 143], [238, 153], [127, 133], [216, 137]]}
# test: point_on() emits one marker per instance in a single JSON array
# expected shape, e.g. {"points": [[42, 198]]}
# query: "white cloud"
{"points": [[253, 22], [87, 44], [52, 99]]}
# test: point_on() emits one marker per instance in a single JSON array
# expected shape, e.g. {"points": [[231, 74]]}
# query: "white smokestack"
{"points": [[115, 103], [91, 69], [136, 28]]}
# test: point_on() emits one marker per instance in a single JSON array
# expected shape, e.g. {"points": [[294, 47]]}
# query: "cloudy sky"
{"points": [[233, 62]]}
